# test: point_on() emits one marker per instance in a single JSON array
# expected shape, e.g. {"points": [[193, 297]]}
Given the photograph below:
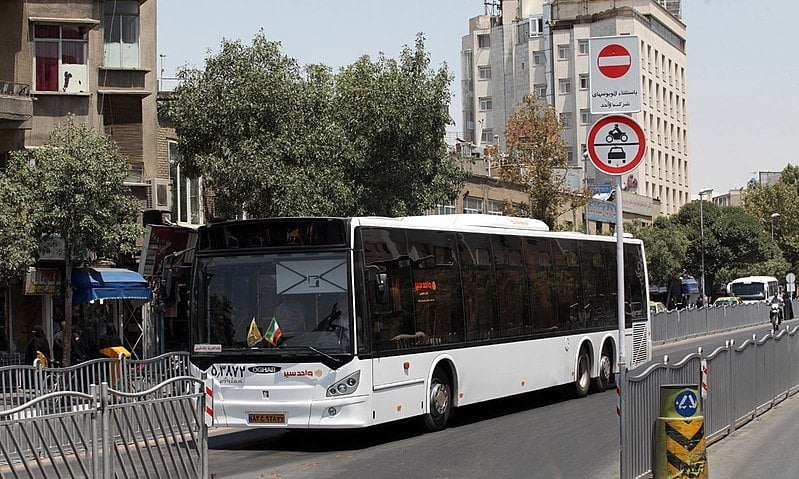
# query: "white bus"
{"points": [[383, 319], [753, 289]]}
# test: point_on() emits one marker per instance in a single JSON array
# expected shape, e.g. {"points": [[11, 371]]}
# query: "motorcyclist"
{"points": [[777, 299]]}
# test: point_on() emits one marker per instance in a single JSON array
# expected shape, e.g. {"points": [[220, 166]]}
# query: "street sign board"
{"points": [[614, 74], [616, 144]]}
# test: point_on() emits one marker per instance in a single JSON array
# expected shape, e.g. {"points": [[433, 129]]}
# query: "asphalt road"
{"points": [[542, 434]]}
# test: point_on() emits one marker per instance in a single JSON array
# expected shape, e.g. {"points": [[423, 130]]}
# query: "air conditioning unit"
{"points": [[159, 194]]}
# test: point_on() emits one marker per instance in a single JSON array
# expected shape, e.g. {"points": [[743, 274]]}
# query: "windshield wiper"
{"points": [[328, 360]]}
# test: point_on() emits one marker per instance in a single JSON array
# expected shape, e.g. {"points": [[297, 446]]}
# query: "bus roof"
{"points": [[457, 220], [754, 279]]}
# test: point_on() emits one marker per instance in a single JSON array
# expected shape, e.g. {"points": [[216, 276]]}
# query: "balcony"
{"points": [[16, 105]]}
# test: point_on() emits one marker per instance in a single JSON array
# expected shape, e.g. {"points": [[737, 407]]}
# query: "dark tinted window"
{"points": [[511, 284], [595, 266], [541, 285], [567, 281], [436, 286], [634, 283], [385, 251], [479, 289]]}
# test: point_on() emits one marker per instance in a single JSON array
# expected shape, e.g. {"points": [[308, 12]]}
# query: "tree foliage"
{"points": [[78, 195], [17, 244], [762, 201], [666, 245], [273, 139], [536, 159]]}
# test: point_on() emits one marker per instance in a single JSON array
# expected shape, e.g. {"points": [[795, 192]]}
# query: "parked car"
{"points": [[727, 301], [656, 307]]}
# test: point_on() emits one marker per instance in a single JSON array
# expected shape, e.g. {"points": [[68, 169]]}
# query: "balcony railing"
{"points": [[14, 89]]}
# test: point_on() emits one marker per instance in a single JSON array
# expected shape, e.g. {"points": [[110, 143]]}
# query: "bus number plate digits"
{"points": [[262, 418]]}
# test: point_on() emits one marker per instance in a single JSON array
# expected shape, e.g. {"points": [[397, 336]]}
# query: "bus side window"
{"points": [[388, 284]]}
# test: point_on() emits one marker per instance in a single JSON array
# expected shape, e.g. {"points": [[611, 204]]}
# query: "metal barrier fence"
{"points": [[742, 382], [108, 433], [51, 418], [681, 324]]}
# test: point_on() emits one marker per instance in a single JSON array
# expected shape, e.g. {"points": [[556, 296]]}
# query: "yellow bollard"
{"points": [[680, 448]]}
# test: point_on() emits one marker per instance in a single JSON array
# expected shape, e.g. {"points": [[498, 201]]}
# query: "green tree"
{"points": [[77, 180], [17, 244], [666, 244], [536, 160], [273, 139], [762, 201], [734, 244], [394, 114]]}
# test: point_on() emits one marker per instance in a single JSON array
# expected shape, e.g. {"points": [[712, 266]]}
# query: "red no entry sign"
{"points": [[614, 61]]}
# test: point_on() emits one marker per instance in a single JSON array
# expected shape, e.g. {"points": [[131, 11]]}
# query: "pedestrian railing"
{"points": [[107, 433], [682, 324], [738, 383]]}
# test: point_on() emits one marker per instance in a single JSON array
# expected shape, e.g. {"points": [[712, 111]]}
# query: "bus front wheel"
{"points": [[582, 381], [440, 402]]}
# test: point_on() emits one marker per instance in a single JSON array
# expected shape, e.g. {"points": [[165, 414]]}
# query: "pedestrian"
{"points": [[38, 348], [58, 344], [788, 306]]}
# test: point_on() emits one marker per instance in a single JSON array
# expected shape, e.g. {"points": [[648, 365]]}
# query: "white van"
{"points": [[752, 289]]}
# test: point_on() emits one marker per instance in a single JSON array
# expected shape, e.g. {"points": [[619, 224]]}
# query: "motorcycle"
{"points": [[775, 316]]}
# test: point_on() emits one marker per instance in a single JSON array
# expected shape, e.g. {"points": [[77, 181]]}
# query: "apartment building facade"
{"points": [[520, 47], [94, 60]]}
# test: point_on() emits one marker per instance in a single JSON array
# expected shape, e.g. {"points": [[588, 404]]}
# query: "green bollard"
{"points": [[680, 448]]}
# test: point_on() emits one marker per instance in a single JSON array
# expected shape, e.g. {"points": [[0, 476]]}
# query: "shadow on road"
{"points": [[356, 439]]}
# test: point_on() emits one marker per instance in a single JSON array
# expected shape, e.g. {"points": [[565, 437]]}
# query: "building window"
{"points": [[483, 41], [585, 116], [540, 90], [582, 47], [538, 58], [566, 120], [584, 81], [570, 156], [564, 52], [495, 208], [472, 205], [485, 103], [536, 26], [484, 73], [61, 58], [487, 136], [565, 85], [121, 34], [446, 208], [186, 192]]}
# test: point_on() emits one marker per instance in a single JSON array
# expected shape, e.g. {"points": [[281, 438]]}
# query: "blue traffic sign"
{"points": [[686, 403]]}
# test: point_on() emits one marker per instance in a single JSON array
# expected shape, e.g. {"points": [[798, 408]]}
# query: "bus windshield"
{"points": [[267, 302], [748, 290]]}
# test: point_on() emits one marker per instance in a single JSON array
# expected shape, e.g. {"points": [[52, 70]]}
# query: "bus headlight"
{"points": [[348, 385]]}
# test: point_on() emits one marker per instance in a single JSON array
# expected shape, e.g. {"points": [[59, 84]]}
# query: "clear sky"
{"points": [[743, 64]]}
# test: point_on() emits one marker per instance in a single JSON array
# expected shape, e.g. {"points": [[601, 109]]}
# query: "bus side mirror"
{"points": [[381, 288]]}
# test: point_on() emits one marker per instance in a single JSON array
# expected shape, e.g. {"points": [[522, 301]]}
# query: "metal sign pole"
{"points": [[622, 378]]}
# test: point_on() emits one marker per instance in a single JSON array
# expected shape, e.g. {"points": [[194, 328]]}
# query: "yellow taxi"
{"points": [[727, 301], [656, 307]]}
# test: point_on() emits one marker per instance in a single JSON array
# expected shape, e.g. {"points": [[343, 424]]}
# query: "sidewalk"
{"points": [[764, 448]]}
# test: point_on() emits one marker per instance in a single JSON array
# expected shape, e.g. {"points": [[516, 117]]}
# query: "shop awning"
{"points": [[108, 283]]}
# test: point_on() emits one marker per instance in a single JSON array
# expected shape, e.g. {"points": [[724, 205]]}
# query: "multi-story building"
{"points": [[520, 47], [95, 60]]}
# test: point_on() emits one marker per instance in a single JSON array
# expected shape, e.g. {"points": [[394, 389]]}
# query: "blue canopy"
{"points": [[108, 283]]}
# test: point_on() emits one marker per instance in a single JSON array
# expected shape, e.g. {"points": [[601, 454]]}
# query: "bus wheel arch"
{"points": [[605, 365], [583, 368], [441, 395]]}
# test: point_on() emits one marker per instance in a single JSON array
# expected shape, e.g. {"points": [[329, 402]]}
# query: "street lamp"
{"points": [[702, 194], [773, 215]]}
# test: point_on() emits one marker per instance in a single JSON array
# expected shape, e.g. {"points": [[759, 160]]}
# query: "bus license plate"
{"points": [[263, 418]]}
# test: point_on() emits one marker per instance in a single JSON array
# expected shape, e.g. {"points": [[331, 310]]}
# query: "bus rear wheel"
{"points": [[605, 377], [582, 381], [440, 402]]}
